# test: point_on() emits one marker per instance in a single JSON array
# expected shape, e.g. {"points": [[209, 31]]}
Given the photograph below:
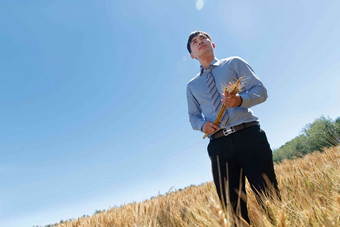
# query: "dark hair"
{"points": [[192, 35]]}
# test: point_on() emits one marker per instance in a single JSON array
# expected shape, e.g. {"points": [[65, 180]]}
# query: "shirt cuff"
{"points": [[246, 103], [201, 125]]}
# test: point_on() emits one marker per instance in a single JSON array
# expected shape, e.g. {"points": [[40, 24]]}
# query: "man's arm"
{"points": [[253, 91], [195, 116], [194, 110]]}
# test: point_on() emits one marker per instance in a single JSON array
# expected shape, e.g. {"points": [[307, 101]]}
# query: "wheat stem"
{"points": [[232, 90]]}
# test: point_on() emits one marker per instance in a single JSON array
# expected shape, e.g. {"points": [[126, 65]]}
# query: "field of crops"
{"points": [[310, 190]]}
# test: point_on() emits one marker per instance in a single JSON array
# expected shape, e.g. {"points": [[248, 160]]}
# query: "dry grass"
{"points": [[310, 190]]}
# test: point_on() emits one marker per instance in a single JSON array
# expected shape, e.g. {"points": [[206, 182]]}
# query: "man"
{"points": [[238, 148]]}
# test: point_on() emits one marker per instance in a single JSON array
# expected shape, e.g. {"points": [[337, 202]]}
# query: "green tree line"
{"points": [[322, 133]]}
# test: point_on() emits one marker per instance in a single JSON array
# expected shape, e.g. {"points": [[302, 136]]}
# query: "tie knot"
{"points": [[208, 70]]}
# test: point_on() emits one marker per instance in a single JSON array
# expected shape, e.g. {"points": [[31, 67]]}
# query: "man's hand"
{"points": [[231, 100], [209, 127]]}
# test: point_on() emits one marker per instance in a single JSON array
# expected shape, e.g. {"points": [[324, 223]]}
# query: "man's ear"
{"points": [[192, 56], [213, 45]]}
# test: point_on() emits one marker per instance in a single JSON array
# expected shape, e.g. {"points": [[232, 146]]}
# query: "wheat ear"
{"points": [[232, 90]]}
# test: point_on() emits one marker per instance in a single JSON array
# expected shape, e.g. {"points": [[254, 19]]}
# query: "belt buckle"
{"points": [[228, 131]]}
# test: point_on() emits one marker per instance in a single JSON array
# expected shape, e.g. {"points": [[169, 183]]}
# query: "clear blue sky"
{"points": [[93, 109]]}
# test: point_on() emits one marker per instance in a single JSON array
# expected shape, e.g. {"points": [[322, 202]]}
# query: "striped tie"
{"points": [[214, 95]]}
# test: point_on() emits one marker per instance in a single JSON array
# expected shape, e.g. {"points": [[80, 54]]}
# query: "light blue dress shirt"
{"points": [[227, 70]]}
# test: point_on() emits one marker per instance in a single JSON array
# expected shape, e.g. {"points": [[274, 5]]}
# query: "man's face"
{"points": [[200, 46]]}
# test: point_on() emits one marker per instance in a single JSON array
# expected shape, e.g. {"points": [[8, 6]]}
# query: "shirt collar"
{"points": [[214, 62]]}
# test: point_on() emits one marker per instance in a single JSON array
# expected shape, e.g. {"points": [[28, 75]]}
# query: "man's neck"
{"points": [[205, 62]]}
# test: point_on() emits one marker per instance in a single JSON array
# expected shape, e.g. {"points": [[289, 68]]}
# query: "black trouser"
{"points": [[245, 153]]}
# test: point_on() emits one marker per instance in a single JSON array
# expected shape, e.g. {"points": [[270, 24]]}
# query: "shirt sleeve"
{"points": [[252, 91], [194, 110]]}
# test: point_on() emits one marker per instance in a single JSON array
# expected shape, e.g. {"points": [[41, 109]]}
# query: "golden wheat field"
{"points": [[310, 190]]}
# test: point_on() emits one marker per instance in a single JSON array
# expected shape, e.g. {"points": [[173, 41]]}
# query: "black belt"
{"points": [[226, 132]]}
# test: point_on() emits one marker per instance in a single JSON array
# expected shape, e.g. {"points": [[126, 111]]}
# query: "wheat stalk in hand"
{"points": [[232, 90]]}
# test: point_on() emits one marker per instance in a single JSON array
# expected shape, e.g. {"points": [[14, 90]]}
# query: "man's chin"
{"points": [[204, 52]]}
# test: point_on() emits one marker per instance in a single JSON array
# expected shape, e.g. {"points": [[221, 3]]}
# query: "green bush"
{"points": [[323, 132]]}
